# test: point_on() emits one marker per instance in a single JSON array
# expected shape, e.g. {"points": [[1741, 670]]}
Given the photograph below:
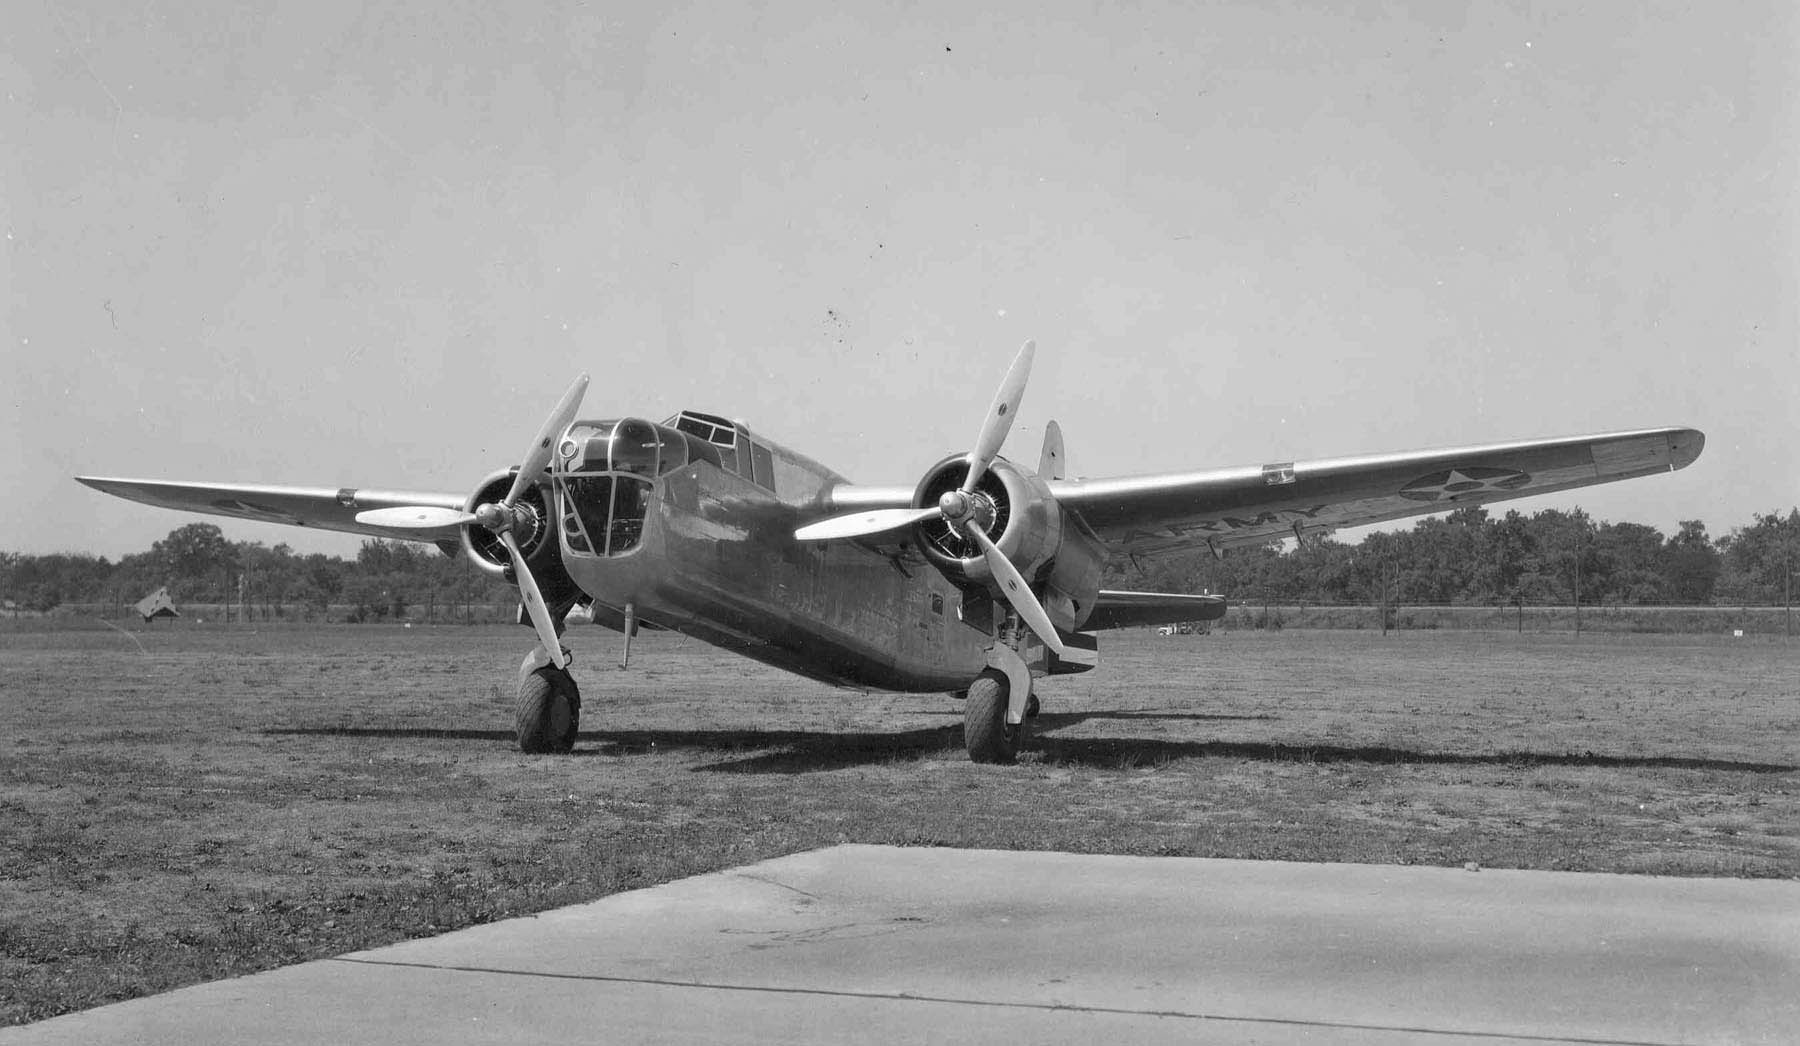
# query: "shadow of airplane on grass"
{"points": [[812, 751]]}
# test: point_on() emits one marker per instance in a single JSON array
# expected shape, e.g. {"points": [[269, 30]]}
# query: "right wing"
{"points": [[324, 508]]}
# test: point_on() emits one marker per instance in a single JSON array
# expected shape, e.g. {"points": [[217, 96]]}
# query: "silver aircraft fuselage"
{"points": [[716, 559]]}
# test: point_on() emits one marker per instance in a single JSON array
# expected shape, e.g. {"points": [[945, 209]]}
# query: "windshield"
{"points": [[604, 475]]}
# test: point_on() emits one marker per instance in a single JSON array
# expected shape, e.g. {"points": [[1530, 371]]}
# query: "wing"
{"points": [[327, 508], [1259, 503]]}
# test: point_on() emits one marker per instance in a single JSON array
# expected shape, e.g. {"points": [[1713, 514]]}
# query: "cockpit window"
{"points": [[604, 473], [764, 464], [635, 447], [630, 503], [737, 453], [718, 432], [608, 516]]}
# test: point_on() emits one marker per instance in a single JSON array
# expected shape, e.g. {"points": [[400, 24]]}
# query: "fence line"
{"points": [[1757, 618], [214, 612]]}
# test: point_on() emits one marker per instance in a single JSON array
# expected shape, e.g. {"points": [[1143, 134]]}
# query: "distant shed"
{"points": [[157, 604]]}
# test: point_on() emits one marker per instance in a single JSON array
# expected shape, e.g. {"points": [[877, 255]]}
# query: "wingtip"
{"points": [[1685, 446]]}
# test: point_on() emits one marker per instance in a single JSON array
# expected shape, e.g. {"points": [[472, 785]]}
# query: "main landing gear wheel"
{"points": [[549, 711], [986, 733]]}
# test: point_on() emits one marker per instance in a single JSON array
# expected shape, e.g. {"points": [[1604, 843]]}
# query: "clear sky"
{"points": [[368, 244]]}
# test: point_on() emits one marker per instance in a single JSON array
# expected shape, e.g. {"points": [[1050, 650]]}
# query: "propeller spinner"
{"points": [[963, 507], [502, 516]]}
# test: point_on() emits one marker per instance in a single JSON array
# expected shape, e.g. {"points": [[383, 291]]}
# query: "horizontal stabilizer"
{"points": [[1136, 609]]}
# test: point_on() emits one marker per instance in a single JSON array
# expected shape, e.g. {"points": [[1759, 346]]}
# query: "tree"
{"points": [[46, 582], [1628, 559], [1690, 564], [198, 560], [1759, 559], [1562, 557]]}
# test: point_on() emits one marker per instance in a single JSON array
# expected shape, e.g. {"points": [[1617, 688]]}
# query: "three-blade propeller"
{"points": [[503, 516], [959, 507]]}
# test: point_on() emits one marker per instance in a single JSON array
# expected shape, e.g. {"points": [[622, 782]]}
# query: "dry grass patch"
{"points": [[234, 800]]}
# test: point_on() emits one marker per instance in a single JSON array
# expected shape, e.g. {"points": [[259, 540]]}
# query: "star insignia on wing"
{"points": [[251, 510], [1457, 484]]}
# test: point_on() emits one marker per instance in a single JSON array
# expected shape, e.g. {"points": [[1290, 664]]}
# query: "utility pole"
{"points": [[1578, 580], [1390, 584]]}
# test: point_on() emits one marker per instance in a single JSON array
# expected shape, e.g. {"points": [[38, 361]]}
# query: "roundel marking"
{"points": [[1452, 484]]}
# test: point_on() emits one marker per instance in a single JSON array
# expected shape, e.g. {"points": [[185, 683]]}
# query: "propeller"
{"points": [[501, 517], [959, 507]]}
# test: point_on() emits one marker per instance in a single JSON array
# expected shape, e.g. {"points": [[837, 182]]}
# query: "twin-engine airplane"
{"points": [[982, 577]]}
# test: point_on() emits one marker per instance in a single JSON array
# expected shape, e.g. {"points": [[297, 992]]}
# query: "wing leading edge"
{"points": [[1142, 515], [324, 508]]}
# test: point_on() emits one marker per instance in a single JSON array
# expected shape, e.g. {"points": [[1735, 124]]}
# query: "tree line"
{"points": [[1466, 557], [1470, 558], [387, 579]]}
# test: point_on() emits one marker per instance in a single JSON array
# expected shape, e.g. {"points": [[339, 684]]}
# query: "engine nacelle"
{"points": [[1057, 556], [542, 551]]}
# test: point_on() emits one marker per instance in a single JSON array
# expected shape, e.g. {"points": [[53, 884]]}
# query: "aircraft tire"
{"points": [[986, 733], [549, 711]]}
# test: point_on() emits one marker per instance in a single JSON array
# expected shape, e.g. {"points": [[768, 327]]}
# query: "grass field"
{"points": [[230, 799]]}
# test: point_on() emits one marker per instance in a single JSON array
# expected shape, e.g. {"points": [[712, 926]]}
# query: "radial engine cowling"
{"points": [[1057, 556], [537, 537], [1014, 507]]}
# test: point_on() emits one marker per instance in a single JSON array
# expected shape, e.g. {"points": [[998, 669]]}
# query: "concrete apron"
{"points": [[871, 943]]}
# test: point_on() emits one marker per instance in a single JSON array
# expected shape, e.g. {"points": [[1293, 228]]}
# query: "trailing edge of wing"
{"points": [[1260, 503], [325, 508]]}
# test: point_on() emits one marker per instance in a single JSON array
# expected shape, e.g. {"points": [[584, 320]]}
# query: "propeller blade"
{"points": [[999, 418], [539, 454], [863, 524], [415, 517], [534, 600], [1017, 592]]}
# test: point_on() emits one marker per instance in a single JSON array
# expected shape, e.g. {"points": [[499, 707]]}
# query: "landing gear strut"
{"points": [[1000, 699], [549, 701]]}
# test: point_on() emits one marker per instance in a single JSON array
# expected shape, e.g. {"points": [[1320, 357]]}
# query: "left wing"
{"points": [[326, 508], [1256, 504]]}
